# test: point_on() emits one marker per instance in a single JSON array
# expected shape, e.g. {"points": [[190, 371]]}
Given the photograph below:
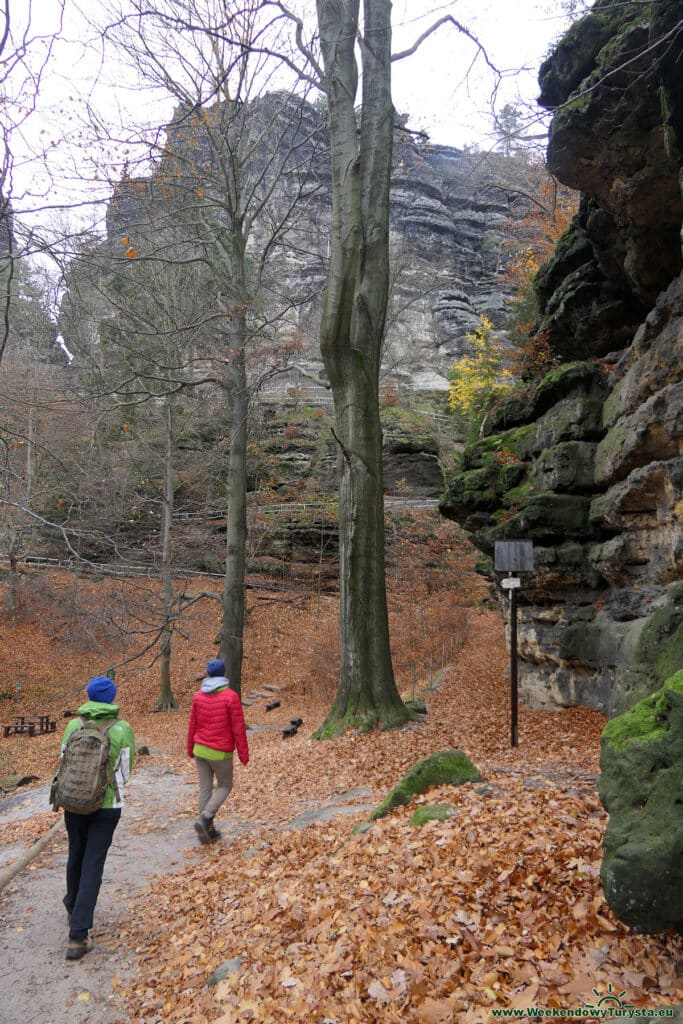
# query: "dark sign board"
{"points": [[514, 556]]}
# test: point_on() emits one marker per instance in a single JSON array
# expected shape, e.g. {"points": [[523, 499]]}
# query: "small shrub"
{"points": [[479, 379]]}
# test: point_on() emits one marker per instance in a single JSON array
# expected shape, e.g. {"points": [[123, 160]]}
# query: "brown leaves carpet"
{"points": [[498, 907]]}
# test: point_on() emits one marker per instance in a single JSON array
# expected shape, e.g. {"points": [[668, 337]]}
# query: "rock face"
{"points": [[450, 218], [588, 464], [641, 788]]}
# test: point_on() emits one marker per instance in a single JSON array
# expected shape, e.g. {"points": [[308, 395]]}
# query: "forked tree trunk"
{"points": [[352, 331]]}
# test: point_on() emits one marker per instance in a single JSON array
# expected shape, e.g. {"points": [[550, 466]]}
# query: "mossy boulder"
{"points": [[431, 812], [641, 788], [230, 967], [447, 768]]}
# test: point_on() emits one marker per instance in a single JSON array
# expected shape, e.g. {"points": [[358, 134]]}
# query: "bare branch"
{"points": [[447, 19]]}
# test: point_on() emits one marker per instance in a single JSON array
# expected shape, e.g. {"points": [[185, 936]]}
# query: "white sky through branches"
{"points": [[442, 88]]}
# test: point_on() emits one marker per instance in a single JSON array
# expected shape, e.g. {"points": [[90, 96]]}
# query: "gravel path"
{"points": [[36, 981]]}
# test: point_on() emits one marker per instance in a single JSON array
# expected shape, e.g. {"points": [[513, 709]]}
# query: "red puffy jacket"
{"points": [[217, 721]]}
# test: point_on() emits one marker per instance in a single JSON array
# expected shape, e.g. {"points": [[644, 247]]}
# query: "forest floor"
{"points": [[497, 907]]}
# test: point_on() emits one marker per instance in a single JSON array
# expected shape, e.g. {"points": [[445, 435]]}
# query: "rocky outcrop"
{"points": [[451, 214], [640, 786], [589, 463]]}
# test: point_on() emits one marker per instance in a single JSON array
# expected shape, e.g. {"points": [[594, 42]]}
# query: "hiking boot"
{"points": [[77, 948], [214, 834], [202, 828]]}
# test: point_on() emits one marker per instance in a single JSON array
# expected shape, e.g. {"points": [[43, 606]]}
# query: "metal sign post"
{"points": [[513, 556]]}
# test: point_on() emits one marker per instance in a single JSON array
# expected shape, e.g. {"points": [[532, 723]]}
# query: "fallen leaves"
{"points": [[498, 906]]}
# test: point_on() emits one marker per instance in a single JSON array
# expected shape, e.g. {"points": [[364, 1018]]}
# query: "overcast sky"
{"points": [[437, 87]]}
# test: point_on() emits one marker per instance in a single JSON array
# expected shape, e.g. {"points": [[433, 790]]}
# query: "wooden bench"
{"points": [[37, 725]]}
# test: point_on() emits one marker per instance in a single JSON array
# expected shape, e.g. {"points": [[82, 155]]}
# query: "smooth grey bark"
{"points": [[234, 592], [352, 331], [166, 701]]}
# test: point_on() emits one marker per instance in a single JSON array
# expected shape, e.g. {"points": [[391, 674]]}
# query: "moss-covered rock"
{"points": [[547, 517], [562, 381], [473, 490], [661, 641], [516, 409], [565, 467], [519, 442], [574, 56], [404, 430], [577, 417], [431, 812], [580, 642], [641, 788], [447, 768], [225, 970]]}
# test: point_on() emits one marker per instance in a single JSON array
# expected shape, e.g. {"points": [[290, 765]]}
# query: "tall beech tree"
{"points": [[351, 336]]}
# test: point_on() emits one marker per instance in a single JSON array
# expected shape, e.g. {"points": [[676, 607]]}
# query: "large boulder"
{"points": [[641, 788]]}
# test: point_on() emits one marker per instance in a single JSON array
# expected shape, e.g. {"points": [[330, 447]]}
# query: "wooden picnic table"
{"points": [[31, 725]]}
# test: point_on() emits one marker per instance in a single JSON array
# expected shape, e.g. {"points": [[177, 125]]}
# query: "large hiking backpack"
{"points": [[84, 772]]}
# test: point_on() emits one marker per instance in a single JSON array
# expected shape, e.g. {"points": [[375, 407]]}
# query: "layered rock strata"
{"points": [[589, 463], [451, 216]]}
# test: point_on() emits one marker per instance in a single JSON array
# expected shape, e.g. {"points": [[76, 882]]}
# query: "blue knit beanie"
{"points": [[101, 689], [215, 668]]}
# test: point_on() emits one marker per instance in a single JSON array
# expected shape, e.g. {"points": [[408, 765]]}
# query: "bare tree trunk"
{"points": [[29, 446], [234, 596], [166, 701], [352, 332], [12, 582]]}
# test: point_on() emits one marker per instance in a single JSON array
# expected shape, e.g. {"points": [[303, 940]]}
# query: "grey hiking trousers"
{"points": [[211, 799]]}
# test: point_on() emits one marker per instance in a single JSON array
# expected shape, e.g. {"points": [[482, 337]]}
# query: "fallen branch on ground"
{"points": [[8, 873]]}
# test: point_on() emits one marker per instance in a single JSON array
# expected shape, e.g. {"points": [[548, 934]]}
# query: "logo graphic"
{"points": [[610, 999]]}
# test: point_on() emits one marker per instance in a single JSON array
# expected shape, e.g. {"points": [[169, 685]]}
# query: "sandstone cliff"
{"points": [[588, 464], [451, 213]]}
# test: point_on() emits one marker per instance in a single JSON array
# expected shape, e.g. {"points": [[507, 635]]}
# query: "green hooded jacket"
{"points": [[122, 742]]}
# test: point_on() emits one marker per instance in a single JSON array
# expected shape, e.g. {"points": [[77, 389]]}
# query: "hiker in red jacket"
{"points": [[215, 728]]}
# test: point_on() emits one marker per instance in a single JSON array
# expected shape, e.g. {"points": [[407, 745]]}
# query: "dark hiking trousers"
{"points": [[90, 837]]}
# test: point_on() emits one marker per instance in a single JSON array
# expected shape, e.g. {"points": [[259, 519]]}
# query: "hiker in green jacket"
{"points": [[90, 835]]}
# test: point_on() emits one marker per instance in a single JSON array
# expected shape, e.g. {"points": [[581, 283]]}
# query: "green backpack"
{"points": [[84, 771]]}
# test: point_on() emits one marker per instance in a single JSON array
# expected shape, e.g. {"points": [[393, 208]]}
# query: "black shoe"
{"points": [[77, 948], [201, 827], [214, 834]]}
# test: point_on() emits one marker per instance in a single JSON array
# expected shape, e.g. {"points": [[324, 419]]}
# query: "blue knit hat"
{"points": [[101, 689], [215, 668]]}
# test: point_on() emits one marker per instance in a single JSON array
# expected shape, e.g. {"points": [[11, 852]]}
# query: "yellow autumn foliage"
{"points": [[478, 378]]}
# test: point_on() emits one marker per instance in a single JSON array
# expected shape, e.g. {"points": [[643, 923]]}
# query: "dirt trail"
{"points": [[35, 977], [37, 982]]}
